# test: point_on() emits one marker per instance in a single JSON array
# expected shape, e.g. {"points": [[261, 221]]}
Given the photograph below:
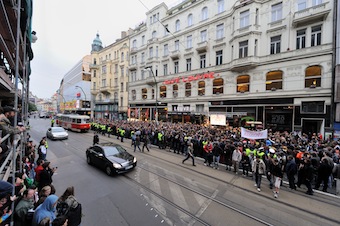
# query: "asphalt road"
{"points": [[163, 191]]}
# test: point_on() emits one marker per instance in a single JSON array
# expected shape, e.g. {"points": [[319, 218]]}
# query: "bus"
{"points": [[78, 123]]}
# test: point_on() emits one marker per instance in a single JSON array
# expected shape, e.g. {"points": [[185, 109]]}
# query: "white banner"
{"points": [[254, 135]]}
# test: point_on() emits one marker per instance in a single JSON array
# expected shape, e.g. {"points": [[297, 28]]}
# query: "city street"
{"points": [[163, 191]]}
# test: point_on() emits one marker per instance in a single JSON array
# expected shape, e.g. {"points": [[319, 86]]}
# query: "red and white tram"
{"points": [[79, 123]]}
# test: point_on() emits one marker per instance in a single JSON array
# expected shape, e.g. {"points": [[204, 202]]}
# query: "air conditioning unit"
{"points": [[273, 89]]}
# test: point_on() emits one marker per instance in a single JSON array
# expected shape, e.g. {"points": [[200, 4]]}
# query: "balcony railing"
{"points": [[311, 14]]}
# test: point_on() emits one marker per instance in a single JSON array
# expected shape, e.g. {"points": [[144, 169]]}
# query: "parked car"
{"points": [[112, 158], [57, 133]]}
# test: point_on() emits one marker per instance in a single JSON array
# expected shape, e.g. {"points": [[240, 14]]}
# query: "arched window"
{"points": [[313, 77], [243, 83], [133, 94], [190, 20], [188, 89], [162, 91], [175, 90], [201, 88], [274, 80], [154, 34], [218, 86], [204, 13], [178, 25], [144, 94]]}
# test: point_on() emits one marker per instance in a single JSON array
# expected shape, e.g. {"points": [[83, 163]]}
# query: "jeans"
{"points": [[258, 178], [216, 160]]}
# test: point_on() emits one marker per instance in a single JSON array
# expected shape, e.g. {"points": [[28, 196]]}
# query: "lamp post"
{"points": [[84, 95], [154, 77]]}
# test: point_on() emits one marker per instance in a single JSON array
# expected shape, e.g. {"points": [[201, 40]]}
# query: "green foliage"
{"points": [[32, 107]]}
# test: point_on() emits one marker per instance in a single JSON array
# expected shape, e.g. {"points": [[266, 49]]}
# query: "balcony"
{"points": [[105, 89], [202, 47], [108, 100], [133, 67], [243, 64], [311, 14], [94, 91], [152, 41], [153, 60], [133, 50], [175, 54], [94, 66]]}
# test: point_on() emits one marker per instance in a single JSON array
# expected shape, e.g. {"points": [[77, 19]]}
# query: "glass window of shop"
{"points": [[144, 93], [175, 91], [201, 88], [188, 89], [218, 86], [274, 80], [313, 77], [243, 83], [162, 91]]}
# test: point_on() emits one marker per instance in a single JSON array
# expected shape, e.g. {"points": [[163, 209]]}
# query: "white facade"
{"points": [[271, 60]]}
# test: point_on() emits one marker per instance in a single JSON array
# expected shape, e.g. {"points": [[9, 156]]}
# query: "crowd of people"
{"points": [[31, 200], [304, 159]]}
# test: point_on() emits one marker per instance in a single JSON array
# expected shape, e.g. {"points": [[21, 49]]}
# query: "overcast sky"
{"points": [[66, 29]]}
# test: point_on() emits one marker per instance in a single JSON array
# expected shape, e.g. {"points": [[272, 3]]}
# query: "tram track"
{"points": [[211, 198]]}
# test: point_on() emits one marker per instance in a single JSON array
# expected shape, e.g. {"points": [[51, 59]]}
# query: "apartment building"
{"points": [[268, 60], [109, 73]]}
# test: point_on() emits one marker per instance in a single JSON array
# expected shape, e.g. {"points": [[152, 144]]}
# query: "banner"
{"points": [[255, 135]]}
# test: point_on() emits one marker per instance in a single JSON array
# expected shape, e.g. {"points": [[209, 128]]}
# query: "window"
{"points": [[313, 107], [176, 67], [122, 57], [204, 36], [152, 94], [175, 91], [143, 39], [316, 2], [94, 73], [202, 61], [150, 52], [274, 80], [121, 87], [122, 71], [165, 69], [189, 64], [156, 54], [143, 58], [190, 20], [313, 77], [103, 82], [316, 36], [243, 83], [133, 94], [154, 34], [244, 19], [144, 94], [204, 13], [219, 31], [220, 6], [219, 57], [189, 41], [104, 69], [201, 88], [275, 44], [162, 91], [142, 75], [218, 86], [177, 25], [301, 39], [255, 47], [94, 85], [301, 4], [257, 17], [166, 50], [121, 101], [134, 44], [177, 45], [243, 50], [188, 89], [166, 30], [276, 12]]}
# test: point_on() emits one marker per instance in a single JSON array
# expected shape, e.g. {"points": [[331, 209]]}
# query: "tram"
{"points": [[78, 123]]}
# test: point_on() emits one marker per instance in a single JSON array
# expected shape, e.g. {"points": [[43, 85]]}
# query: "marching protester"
{"points": [[190, 152]]}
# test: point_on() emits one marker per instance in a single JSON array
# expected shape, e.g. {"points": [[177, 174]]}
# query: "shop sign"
{"points": [[181, 109], [190, 78]]}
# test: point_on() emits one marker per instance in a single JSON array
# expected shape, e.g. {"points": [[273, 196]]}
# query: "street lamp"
{"points": [[84, 95], [154, 77]]}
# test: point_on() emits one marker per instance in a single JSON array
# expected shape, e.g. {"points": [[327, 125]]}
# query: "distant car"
{"points": [[57, 133], [112, 158]]}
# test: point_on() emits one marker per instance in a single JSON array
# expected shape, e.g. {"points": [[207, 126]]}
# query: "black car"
{"points": [[111, 157]]}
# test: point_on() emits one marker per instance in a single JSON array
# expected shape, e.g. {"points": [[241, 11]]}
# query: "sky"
{"points": [[66, 29]]}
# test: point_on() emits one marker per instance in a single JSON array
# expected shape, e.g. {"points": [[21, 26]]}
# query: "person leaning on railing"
{"points": [[6, 113]]}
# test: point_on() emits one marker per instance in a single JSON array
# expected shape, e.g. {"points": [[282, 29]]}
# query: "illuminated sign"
{"points": [[78, 95], [189, 78]]}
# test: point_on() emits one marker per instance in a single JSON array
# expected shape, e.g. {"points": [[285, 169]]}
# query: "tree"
{"points": [[32, 107]]}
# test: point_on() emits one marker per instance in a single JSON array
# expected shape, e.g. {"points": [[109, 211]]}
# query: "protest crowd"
{"points": [[301, 159]]}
